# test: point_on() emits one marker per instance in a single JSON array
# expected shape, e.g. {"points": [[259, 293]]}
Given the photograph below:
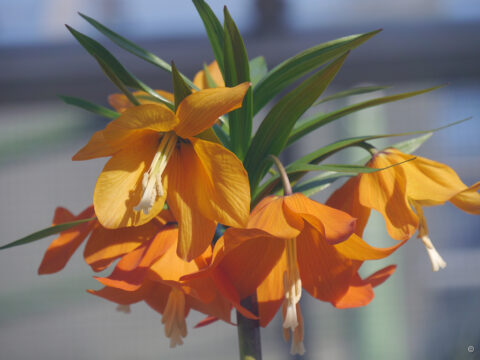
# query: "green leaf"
{"points": [[411, 145], [316, 121], [214, 30], [237, 71], [319, 183], [351, 92], [133, 48], [295, 67], [87, 105], [208, 76], [222, 135], [274, 130], [258, 69], [180, 88], [45, 232], [110, 64]]}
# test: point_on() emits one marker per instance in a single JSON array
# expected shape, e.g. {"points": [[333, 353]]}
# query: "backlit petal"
{"points": [[338, 225], [428, 182], [356, 249], [188, 197], [271, 292], [345, 198], [119, 186], [62, 248], [269, 216], [468, 200], [325, 273], [385, 191], [225, 185], [201, 109], [360, 292]]}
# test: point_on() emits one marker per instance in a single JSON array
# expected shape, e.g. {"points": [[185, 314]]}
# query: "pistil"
{"points": [[152, 179]]}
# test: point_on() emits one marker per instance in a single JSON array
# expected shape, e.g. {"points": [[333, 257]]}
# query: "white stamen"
{"points": [[152, 179], [437, 261], [123, 308], [297, 348], [292, 285]]}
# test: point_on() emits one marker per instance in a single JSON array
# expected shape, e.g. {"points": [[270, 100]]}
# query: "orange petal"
{"points": [[468, 200], [153, 117], [189, 186], [360, 293], [170, 267], [271, 292], [225, 187], [200, 79], [157, 297], [201, 109], [218, 306], [428, 182], [119, 186], [356, 249], [345, 198], [130, 272], [250, 255], [269, 215], [121, 103], [105, 245], [385, 191], [325, 273], [338, 225], [62, 248], [123, 297], [97, 147]]}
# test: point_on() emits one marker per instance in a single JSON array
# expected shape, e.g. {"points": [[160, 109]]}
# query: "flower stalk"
{"points": [[248, 330]]}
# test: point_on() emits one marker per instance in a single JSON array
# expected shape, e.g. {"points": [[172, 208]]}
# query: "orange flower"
{"points": [[103, 246], [293, 242], [155, 156], [152, 273], [396, 191]]}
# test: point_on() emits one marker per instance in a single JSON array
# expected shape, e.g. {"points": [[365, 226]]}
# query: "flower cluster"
{"points": [[191, 214]]}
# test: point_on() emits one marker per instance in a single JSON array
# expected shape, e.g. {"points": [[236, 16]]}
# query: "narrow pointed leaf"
{"points": [[355, 91], [258, 69], [316, 121], [132, 47], [87, 105], [109, 62], [295, 67], [237, 71], [45, 232], [180, 88], [214, 30], [319, 182], [272, 135]]}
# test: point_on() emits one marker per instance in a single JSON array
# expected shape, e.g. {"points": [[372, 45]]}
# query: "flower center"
{"points": [[174, 317], [152, 179], [292, 285]]}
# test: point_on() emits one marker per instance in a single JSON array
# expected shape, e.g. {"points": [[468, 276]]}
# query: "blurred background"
{"points": [[417, 314]]}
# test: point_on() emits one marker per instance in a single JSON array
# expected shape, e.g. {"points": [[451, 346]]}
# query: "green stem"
{"points": [[248, 330], [287, 188]]}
